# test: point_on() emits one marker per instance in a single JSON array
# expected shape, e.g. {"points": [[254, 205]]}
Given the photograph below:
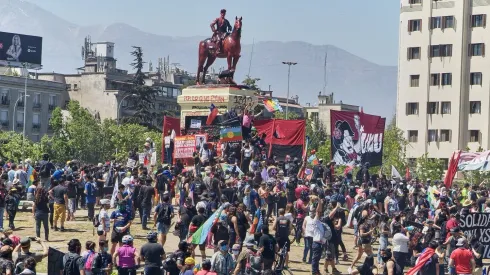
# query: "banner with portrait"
{"points": [[356, 138], [201, 139]]}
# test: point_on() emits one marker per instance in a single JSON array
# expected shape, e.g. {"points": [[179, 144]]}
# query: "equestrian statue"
{"points": [[225, 43]]}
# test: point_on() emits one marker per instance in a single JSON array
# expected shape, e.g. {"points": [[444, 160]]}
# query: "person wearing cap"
{"points": [[188, 268], [104, 221], [461, 258], [206, 268], [21, 251], [244, 256], [222, 262], [152, 253]]}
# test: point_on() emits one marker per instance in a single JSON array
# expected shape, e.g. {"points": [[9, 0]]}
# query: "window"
{"points": [[124, 103], [445, 136], [53, 100], [446, 79], [445, 107], [414, 80], [412, 108], [445, 163], [414, 25], [411, 2], [435, 79], [161, 106], [75, 87], [432, 136], [35, 120], [4, 116], [435, 23], [36, 101], [448, 22], [49, 122], [36, 138], [474, 135], [4, 98], [475, 78], [478, 20], [432, 108], [475, 107], [413, 53], [441, 50], [20, 118], [413, 135], [477, 49]]}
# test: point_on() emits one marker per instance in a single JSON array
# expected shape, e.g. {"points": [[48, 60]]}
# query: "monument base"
{"points": [[195, 102]]}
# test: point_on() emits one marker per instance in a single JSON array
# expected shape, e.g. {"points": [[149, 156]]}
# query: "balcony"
{"points": [[20, 104], [36, 127], [4, 123], [5, 101], [36, 105], [20, 124], [51, 107]]}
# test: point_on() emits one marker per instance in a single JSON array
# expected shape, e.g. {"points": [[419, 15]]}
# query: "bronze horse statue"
{"points": [[231, 51]]}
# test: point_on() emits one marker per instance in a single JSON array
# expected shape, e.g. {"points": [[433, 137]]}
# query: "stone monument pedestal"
{"points": [[196, 100]]}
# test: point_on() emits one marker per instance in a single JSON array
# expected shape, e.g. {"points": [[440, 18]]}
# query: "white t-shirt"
{"points": [[167, 141], [317, 230], [247, 152], [400, 243], [309, 227], [106, 226], [289, 216]]}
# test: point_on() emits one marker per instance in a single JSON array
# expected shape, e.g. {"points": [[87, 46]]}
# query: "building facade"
{"points": [[443, 87], [320, 114], [42, 98]]}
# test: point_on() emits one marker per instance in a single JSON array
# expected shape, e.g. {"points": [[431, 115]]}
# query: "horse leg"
{"points": [[209, 62], [229, 59], [202, 58], [235, 61]]}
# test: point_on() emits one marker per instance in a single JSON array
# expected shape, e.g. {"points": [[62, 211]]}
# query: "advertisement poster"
{"points": [[20, 48], [184, 147]]}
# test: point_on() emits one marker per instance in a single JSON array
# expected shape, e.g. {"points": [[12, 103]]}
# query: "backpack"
{"points": [[253, 265], [96, 220], [44, 172], [327, 232], [71, 266], [165, 214], [443, 231], [89, 260]]}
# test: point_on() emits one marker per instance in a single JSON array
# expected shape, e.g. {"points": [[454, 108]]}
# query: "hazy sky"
{"points": [[368, 29]]}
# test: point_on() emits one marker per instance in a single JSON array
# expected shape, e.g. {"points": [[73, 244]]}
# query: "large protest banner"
{"points": [[357, 138], [184, 147], [477, 225]]}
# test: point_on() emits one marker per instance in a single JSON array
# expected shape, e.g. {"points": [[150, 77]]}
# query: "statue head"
{"points": [[238, 23], [223, 13]]}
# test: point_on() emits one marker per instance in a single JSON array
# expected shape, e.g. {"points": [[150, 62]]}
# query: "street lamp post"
{"points": [[25, 108], [119, 109], [289, 63]]}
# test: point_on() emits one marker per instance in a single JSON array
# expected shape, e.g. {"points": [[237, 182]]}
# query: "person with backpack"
{"points": [[319, 239], [248, 262], [267, 247], [128, 256], [162, 218], [89, 256], [102, 263], [222, 261], [45, 171], [102, 221], [21, 252], [146, 194], [90, 196], [283, 228], [196, 222], [29, 265], [12, 203], [73, 263], [40, 211]]}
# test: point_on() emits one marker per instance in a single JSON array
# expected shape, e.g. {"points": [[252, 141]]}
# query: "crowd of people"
{"points": [[258, 207]]}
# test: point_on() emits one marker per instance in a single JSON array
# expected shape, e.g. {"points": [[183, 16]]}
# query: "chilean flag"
{"points": [[213, 113]]}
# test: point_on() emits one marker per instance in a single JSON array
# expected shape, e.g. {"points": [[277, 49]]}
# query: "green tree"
{"points": [[429, 168], [143, 101], [282, 115], [394, 148], [251, 82], [324, 151]]}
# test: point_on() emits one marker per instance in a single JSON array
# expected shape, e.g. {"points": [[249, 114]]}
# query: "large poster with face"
{"points": [[357, 138]]}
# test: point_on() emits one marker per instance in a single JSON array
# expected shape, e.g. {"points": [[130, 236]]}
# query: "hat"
{"points": [[25, 241], [249, 241], [105, 201], [235, 247], [223, 242], [467, 202], [190, 261], [100, 164], [461, 242]]}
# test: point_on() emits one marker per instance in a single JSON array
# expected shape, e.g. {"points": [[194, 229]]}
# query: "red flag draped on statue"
{"points": [[213, 113], [452, 169]]}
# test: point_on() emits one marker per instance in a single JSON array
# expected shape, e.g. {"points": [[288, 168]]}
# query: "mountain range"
{"points": [[352, 79]]}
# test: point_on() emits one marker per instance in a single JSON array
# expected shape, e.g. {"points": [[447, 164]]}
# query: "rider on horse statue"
{"points": [[220, 27]]}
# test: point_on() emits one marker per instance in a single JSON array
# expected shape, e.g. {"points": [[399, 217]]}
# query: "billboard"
{"points": [[16, 49], [356, 138]]}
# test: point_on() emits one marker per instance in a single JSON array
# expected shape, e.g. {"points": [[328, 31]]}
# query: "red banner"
{"points": [[284, 137], [169, 124], [185, 146], [357, 138]]}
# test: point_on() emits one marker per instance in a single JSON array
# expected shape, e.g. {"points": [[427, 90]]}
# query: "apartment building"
{"points": [[444, 76], [43, 98]]}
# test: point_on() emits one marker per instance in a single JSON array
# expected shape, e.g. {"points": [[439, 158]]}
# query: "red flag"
{"points": [[452, 169], [213, 113], [407, 173], [423, 258]]}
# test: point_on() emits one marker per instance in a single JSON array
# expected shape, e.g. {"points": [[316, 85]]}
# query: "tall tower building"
{"points": [[443, 76]]}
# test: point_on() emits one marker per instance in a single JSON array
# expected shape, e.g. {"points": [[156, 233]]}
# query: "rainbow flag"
{"points": [[231, 134], [272, 105], [199, 237], [313, 160]]}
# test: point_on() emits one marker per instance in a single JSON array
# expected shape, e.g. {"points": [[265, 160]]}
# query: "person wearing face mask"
{"points": [[102, 263], [121, 219], [235, 251], [222, 262], [391, 267]]}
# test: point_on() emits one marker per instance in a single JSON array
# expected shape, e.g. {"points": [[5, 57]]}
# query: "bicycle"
{"points": [[279, 267]]}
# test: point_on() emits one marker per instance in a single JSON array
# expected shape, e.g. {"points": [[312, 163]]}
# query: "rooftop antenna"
{"points": [[325, 73], [251, 56]]}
